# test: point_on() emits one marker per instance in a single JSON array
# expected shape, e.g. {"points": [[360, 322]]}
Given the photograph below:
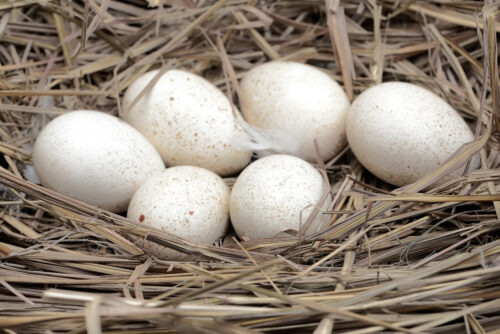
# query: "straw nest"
{"points": [[423, 259]]}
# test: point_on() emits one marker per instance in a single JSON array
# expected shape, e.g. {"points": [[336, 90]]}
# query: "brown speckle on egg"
{"points": [[94, 157], [299, 101], [170, 200], [171, 104], [274, 194], [394, 125]]}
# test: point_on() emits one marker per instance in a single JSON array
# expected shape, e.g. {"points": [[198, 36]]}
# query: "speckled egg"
{"points": [[400, 131], [94, 157], [274, 194], [299, 100], [188, 120], [186, 201]]}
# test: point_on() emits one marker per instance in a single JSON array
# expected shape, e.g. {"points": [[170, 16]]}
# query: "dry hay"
{"points": [[423, 259]]}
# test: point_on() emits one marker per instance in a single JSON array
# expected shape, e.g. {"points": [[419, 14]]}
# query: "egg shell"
{"points": [[300, 100], [401, 132], [94, 157], [274, 194], [188, 120], [186, 201]]}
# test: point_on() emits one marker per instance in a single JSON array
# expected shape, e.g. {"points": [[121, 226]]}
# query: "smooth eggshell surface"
{"points": [[94, 157], [188, 120], [299, 100], [400, 131], [186, 201], [274, 194]]}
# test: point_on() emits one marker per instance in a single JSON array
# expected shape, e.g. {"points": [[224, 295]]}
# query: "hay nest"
{"points": [[423, 259]]}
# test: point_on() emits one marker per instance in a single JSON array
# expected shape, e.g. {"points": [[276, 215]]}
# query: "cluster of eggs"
{"points": [[398, 131]]}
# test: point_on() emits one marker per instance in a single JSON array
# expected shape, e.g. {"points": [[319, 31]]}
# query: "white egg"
{"points": [[274, 194], [94, 157], [400, 131], [188, 120], [299, 100], [186, 201]]}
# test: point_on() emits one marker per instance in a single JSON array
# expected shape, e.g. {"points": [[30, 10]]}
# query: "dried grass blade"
{"points": [[17, 40], [476, 325], [378, 52], [326, 326], [463, 52], [61, 30], [259, 40], [352, 241], [340, 43], [457, 67], [437, 198], [458, 314], [430, 292], [447, 15], [334, 311], [55, 92], [3, 22], [15, 292], [98, 65], [17, 4], [148, 60], [10, 322], [116, 239], [489, 13], [214, 286], [490, 184], [256, 264], [21, 227], [444, 251], [393, 234], [418, 275], [343, 228], [92, 316]]}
